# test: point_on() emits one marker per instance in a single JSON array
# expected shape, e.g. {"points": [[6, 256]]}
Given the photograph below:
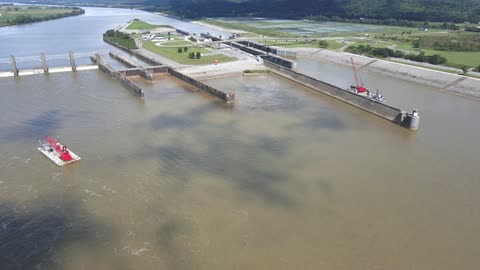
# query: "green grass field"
{"points": [[458, 59], [332, 44], [182, 58], [249, 28], [141, 25]]}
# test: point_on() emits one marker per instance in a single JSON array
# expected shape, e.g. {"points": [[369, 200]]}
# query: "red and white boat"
{"points": [[58, 152]]}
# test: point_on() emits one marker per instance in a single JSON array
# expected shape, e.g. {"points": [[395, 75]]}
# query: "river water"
{"points": [[285, 178]]}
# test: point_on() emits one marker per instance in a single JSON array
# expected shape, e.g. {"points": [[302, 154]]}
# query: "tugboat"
{"points": [[378, 97], [57, 152], [359, 89]]}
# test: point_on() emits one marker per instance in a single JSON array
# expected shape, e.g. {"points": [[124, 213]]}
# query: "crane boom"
{"points": [[360, 88]]}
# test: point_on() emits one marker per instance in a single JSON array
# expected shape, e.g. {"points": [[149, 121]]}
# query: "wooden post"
{"points": [[72, 62], [44, 63], [14, 66]]}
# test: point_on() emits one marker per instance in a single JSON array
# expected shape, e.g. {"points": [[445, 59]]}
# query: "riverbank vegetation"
{"points": [[121, 39], [256, 71], [137, 24], [13, 15], [386, 53]]}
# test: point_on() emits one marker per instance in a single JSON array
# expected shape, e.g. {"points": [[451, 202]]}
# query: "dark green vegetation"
{"points": [[13, 15], [413, 10], [386, 52], [121, 39], [256, 71], [472, 29]]}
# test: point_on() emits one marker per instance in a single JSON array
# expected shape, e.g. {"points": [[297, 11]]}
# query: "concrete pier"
{"points": [[119, 76], [124, 60], [44, 63], [244, 46], [144, 72], [38, 71], [395, 115], [228, 97], [72, 61], [14, 66]]}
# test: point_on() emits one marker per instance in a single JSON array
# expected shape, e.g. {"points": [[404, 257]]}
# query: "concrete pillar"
{"points": [[72, 62], [230, 97], [44, 63], [14, 66], [99, 59], [414, 120]]}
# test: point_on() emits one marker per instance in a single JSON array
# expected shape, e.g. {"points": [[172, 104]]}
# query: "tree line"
{"points": [[435, 59], [25, 18], [456, 11]]}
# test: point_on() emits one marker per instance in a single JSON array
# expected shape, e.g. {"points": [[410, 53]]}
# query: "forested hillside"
{"points": [[418, 10]]}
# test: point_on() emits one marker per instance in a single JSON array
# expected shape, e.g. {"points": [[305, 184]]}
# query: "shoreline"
{"points": [[37, 20]]}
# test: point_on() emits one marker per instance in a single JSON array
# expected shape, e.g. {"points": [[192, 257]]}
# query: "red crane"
{"points": [[359, 87], [60, 149]]}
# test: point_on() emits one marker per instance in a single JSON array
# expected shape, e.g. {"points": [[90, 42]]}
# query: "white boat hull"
{"points": [[55, 157]]}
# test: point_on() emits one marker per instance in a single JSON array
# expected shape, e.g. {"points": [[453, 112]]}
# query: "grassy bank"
{"points": [[13, 15], [248, 28], [141, 25], [170, 51], [331, 44]]}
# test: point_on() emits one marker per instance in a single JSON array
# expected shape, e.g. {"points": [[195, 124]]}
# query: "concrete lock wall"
{"points": [[180, 31], [124, 60], [245, 48], [128, 83], [258, 46], [280, 61], [269, 49], [161, 69], [118, 76], [225, 96], [390, 113], [287, 53], [210, 37]]}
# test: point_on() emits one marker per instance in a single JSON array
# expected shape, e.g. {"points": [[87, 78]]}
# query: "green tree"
{"points": [[198, 55], [323, 44], [191, 55], [179, 50], [185, 49]]}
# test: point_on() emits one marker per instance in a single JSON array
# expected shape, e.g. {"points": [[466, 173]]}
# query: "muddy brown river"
{"points": [[285, 178]]}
